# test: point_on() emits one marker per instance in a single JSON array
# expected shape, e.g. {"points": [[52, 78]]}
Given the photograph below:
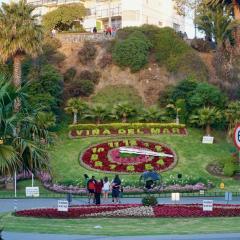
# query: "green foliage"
{"points": [[63, 17], [206, 94], [70, 74], [87, 53], [206, 117], [216, 22], [170, 50], [112, 95], [149, 200], [132, 52], [123, 111], [230, 167], [86, 87], [46, 88]]}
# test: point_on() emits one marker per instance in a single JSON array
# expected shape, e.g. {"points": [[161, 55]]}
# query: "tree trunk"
{"points": [[208, 130], [98, 121], [236, 9], [17, 71], [17, 77], [75, 118], [124, 118]]}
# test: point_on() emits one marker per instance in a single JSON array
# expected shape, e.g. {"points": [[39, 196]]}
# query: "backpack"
{"points": [[91, 185]]}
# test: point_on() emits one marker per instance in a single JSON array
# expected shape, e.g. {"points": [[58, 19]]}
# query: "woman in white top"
{"points": [[106, 188]]}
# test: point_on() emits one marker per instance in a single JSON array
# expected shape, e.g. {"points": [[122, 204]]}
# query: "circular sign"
{"points": [[237, 136]]}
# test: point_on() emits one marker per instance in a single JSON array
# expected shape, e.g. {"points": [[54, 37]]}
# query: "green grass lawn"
{"points": [[193, 157], [122, 226]]}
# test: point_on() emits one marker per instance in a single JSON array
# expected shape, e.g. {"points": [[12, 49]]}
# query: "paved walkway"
{"points": [[36, 236], [7, 205]]}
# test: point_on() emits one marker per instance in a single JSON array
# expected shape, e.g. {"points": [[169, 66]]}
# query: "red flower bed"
{"points": [[106, 157], [135, 210]]}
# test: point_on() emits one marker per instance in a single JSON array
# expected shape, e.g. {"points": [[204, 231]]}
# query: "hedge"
{"points": [[118, 126]]}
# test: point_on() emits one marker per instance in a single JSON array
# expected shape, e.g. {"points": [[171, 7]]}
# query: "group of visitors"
{"points": [[109, 31], [103, 186]]}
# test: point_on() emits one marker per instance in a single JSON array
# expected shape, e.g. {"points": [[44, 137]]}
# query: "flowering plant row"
{"points": [[125, 129], [107, 157], [135, 210]]}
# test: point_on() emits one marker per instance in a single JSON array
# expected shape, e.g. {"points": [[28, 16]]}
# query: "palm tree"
{"points": [[123, 111], [20, 145], [215, 22], [75, 106], [232, 114], [176, 110], [20, 35], [206, 117], [234, 3], [153, 114], [97, 112]]}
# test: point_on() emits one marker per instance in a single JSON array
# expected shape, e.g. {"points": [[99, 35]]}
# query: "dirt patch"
{"points": [[149, 82]]}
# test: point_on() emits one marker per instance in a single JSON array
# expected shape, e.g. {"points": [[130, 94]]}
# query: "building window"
{"points": [[176, 27]]}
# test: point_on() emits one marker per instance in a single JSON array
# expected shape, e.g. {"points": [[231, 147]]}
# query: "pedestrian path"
{"points": [[9, 205], [36, 236]]}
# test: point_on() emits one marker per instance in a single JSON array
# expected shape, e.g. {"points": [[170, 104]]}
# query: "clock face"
{"points": [[128, 156]]}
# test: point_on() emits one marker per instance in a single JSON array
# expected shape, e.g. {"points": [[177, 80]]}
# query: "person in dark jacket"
{"points": [[98, 191], [91, 185], [116, 187]]}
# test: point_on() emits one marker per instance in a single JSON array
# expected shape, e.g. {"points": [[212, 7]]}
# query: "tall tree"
{"points": [[234, 3], [20, 35], [216, 22], [65, 17]]}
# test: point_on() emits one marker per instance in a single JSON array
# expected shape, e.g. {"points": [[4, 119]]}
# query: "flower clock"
{"points": [[127, 156]]}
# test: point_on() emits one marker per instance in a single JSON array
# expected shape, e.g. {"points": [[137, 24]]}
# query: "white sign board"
{"points": [[237, 136], [207, 205], [201, 192], [175, 196], [32, 191], [207, 139], [62, 205]]}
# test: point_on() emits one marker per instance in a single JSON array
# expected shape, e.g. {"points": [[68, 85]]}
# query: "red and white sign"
{"points": [[236, 136]]}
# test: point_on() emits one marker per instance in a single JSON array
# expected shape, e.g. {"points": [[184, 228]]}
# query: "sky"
{"points": [[189, 26]]}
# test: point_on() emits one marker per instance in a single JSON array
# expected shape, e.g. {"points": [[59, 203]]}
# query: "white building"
{"points": [[122, 13]]}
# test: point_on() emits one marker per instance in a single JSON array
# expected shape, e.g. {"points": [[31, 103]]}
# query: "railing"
{"points": [[52, 2], [103, 12], [124, 195], [82, 37]]}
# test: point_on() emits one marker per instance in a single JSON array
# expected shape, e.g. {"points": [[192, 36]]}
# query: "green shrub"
{"points": [[149, 200], [87, 87], [70, 74], [229, 168], [132, 52], [87, 53], [118, 126], [170, 50], [46, 87]]}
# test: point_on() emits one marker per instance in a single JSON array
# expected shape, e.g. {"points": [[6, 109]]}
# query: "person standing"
{"points": [[91, 189], [116, 186], [94, 30], [98, 191], [106, 188]]}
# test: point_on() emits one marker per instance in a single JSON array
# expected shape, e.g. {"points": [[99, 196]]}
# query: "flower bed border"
{"points": [[134, 211], [125, 129], [173, 165]]}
